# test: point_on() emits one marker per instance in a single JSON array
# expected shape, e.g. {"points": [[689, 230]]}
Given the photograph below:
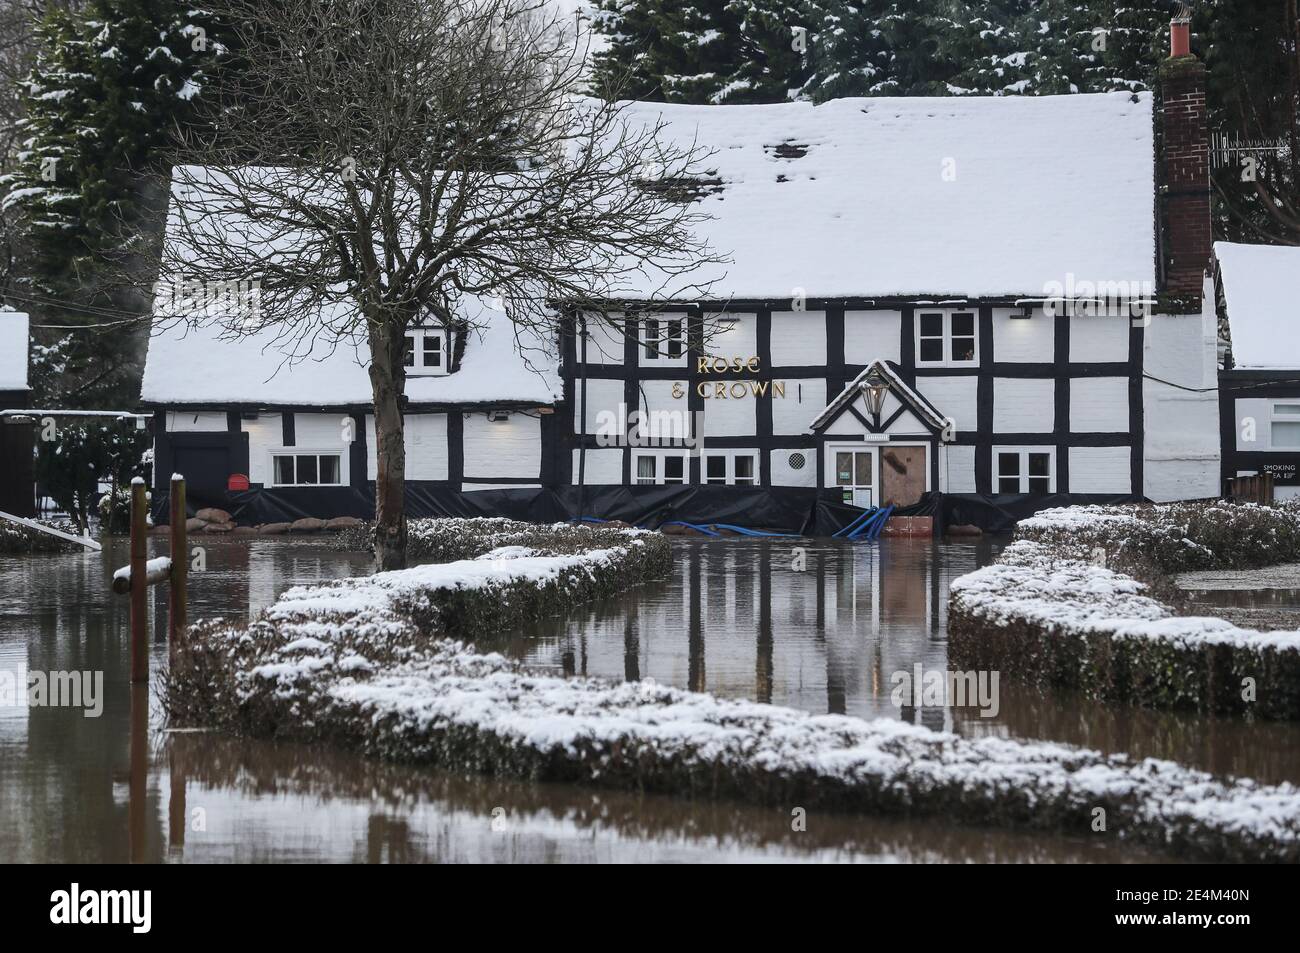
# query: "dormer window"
{"points": [[427, 351]]}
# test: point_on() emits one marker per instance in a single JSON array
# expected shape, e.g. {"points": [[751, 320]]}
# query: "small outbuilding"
{"points": [[1256, 291]]}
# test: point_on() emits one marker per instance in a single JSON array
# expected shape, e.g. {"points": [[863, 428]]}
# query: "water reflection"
{"points": [[831, 630], [737, 618]]}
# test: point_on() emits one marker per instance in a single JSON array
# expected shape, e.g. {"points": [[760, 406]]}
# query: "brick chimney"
{"points": [[1186, 188]]}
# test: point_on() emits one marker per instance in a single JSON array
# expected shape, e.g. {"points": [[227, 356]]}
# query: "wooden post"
{"points": [[180, 564], [139, 584]]}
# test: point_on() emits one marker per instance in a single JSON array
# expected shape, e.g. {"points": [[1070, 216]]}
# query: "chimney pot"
{"points": [[1180, 38]]}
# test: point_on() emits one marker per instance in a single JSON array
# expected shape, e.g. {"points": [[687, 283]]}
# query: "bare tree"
{"points": [[376, 162]]}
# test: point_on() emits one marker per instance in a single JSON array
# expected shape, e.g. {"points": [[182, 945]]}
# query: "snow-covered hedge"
{"points": [[1174, 537], [1051, 612], [15, 538], [358, 662]]}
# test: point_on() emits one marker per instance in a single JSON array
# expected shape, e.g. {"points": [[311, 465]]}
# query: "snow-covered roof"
{"points": [[1261, 288], [200, 364], [14, 333], [957, 197]]}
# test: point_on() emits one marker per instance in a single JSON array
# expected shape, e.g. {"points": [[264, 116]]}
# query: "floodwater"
{"points": [[737, 618]]}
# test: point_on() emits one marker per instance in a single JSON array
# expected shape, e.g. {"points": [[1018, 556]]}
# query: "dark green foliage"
{"points": [[743, 51]]}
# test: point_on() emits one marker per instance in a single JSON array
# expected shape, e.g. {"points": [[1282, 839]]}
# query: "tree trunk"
{"points": [[388, 384]]}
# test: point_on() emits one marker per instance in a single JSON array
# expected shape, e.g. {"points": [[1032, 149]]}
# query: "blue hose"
{"points": [[699, 529], [755, 532], [849, 530]]}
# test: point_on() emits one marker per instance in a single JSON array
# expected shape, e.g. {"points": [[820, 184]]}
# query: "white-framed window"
{"points": [[650, 469], [298, 468], [1030, 470], [427, 351], [663, 338], [947, 338], [1284, 428], [730, 469]]}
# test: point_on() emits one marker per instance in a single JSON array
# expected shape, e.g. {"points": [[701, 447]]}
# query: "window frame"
{"points": [[670, 330], [1276, 418], [947, 337], [418, 368], [296, 452], [729, 477], [1022, 475], [660, 478]]}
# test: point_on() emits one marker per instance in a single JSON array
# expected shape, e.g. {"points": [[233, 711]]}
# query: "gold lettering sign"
{"points": [[731, 389]]}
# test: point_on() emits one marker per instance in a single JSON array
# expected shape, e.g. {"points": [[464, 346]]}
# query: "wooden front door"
{"points": [[902, 475]]}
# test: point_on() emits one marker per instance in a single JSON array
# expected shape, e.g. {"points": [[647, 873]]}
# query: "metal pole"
{"points": [[139, 584], [180, 564]]}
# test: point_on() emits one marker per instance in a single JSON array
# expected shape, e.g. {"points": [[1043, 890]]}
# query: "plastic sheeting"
{"points": [[809, 512]]}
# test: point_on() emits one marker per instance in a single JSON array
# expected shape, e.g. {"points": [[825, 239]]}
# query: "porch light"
{"points": [[874, 389]]}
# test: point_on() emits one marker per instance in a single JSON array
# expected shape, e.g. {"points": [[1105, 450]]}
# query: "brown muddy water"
{"points": [[736, 618]]}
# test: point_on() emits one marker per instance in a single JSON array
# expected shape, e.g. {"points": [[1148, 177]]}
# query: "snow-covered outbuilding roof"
{"points": [[1261, 290], [203, 365], [899, 196], [14, 331]]}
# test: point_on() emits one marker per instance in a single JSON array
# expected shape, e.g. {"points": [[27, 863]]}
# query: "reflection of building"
{"points": [[739, 620], [1004, 293]]}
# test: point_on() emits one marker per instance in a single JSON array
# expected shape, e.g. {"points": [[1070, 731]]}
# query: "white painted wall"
{"points": [[1027, 340], [798, 338], [509, 448], [1024, 405], [265, 433], [1099, 405], [730, 416], [188, 421], [736, 339], [604, 342], [953, 397], [872, 335], [1099, 340], [1259, 412], [785, 475], [604, 467], [602, 395], [479, 487], [1101, 470], [312, 433], [426, 447], [1181, 427], [322, 431], [957, 468], [803, 401]]}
